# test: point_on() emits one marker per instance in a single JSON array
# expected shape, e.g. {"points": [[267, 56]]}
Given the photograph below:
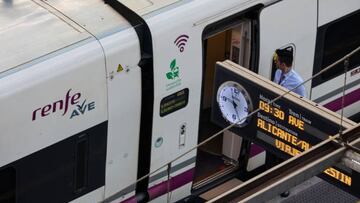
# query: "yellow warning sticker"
{"points": [[120, 68]]}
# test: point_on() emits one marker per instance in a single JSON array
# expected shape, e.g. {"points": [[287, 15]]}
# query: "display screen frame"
{"points": [[174, 102], [287, 127]]}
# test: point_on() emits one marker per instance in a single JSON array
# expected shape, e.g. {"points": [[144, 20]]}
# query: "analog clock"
{"points": [[234, 103]]}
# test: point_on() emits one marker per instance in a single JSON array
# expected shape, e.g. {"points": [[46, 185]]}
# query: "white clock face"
{"points": [[234, 103]]}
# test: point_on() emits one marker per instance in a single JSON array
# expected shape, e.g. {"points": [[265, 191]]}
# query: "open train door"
{"points": [[288, 23]]}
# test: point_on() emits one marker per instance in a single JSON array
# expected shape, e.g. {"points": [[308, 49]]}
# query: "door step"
{"points": [[220, 189]]}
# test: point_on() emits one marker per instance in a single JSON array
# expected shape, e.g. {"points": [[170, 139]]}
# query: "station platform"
{"points": [[315, 190]]}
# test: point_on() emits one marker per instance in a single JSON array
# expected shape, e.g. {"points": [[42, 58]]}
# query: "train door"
{"points": [[124, 102], [234, 39], [178, 86]]}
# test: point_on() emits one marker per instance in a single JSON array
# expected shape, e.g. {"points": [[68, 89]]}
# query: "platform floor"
{"points": [[315, 190]]}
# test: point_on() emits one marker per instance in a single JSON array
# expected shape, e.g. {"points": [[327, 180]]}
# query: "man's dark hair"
{"points": [[285, 56]]}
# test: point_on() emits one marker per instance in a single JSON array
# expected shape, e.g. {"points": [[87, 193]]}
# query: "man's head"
{"points": [[284, 59]]}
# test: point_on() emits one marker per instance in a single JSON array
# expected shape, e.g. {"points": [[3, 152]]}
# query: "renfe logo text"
{"points": [[63, 106]]}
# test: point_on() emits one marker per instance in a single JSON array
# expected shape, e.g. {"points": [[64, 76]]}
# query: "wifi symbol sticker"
{"points": [[180, 42]]}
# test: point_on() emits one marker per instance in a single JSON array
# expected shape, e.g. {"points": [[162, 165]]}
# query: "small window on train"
{"points": [[7, 186], [340, 38], [81, 167]]}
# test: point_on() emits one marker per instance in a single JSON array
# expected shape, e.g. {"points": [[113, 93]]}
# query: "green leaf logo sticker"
{"points": [[174, 71]]}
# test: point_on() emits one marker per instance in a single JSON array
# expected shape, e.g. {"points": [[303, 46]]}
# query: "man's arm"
{"points": [[301, 91]]}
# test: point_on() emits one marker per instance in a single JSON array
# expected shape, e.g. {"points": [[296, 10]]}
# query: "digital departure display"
{"points": [[174, 102], [289, 130], [285, 127]]}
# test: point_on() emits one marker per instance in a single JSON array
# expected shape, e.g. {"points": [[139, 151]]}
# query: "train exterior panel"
{"points": [[96, 95]]}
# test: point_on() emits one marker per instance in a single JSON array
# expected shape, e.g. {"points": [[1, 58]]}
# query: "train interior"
{"points": [[219, 157]]}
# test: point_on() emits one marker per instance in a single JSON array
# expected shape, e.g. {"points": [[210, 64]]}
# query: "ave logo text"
{"points": [[71, 100]]}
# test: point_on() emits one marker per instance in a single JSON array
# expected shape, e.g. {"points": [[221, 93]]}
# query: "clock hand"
{"points": [[237, 113], [235, 106], [231, 100], [228, 99]]}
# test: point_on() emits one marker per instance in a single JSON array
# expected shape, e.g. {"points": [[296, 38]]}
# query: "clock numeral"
{"points": [[234, 117], [246, 109], [224, 98], [236, 91]]}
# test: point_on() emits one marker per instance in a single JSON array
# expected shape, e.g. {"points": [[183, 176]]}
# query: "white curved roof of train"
{"points": [[32, 29]]}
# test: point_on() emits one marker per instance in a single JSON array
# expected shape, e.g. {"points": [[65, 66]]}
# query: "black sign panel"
{"points": [[285, 127], [174, 102]]}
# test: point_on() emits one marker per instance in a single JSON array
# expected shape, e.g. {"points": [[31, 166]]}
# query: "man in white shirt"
{"points": [[288, 78], [285, 75]]}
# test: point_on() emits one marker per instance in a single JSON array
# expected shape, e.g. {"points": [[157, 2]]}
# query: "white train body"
{"points": [[72, 88]]}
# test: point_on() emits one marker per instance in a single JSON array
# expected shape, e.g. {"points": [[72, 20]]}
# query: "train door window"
{"points": [[7, 186], [334, 41], [290, 47], [240, 45], [232, 39], [81, 163]]}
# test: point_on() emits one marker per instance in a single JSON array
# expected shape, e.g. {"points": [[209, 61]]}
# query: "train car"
{"points": [[97, 94]]}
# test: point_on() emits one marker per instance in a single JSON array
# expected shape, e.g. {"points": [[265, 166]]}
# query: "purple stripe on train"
{"points": [[255, 150], [181, 180], [175, 183], [349, 99], [162, 188]]}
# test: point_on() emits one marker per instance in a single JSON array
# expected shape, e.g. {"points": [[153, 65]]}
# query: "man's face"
{"points": [[280, 65]]}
